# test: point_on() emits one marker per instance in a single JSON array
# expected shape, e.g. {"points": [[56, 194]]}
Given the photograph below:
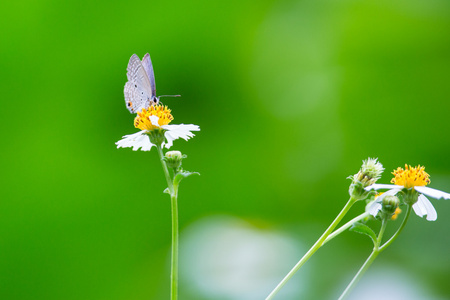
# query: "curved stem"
{"points": [[313, 249], [394, 237], [377, 250], [366, 264], [345, 227]]}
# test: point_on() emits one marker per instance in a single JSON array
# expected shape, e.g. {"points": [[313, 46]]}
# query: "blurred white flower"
{"points": [[227, 258]]}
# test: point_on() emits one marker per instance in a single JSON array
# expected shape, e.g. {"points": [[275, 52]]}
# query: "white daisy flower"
{"points": [[412, 183], [154, 123]]}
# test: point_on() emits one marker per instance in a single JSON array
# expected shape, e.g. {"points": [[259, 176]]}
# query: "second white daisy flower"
{"points": [[411, 182]]}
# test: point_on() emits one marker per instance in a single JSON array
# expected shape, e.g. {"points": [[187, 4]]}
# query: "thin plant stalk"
{"points": [[313, 249], [394, 237], [376, 251], [166, 170], [173, 191], [345, 227], [174, 260], [360, 273]]}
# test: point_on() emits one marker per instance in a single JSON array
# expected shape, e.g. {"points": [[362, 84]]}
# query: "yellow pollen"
{"points": [[410, 177], [396, 213], [142, 120], [378, 194]]}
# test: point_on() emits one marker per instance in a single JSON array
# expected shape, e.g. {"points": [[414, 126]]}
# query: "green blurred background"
{"points": [[290, 96]]}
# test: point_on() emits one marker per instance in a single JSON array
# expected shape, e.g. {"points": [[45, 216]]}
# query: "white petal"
{"points": [[169, 139], [174, 132], [392, 192], [125, 142], [424, 207], [373, 208], [431, 212], [432, 192], [136, 141], [171, 136], [377, 186], [154, 120], [419, 208], [180, 131]]}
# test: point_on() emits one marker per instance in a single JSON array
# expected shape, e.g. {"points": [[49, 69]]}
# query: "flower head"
{"points": [[155, 130], [369, 173], [144, 118], [411, 184], [410, 177]]}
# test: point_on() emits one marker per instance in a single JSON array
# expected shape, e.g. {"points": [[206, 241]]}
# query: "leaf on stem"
{"points": [[181, 175], [364, 229]]}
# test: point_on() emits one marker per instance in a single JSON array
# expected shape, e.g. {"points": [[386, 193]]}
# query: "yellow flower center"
{"points": [[410, 177], [142, 120]]}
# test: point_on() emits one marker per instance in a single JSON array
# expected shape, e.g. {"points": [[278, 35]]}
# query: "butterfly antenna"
{"points": [[169, 96]]}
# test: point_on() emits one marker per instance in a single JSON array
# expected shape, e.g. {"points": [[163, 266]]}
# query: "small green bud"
{"points": [[174, 159], [390, 204]]}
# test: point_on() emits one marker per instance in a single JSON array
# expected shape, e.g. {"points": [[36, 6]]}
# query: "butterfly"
{"points": [[140, 90]]}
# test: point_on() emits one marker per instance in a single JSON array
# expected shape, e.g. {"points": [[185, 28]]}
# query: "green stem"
{"points": [[174, 205], [313, 249], [345, 227], [360, 273], [380, 234], [376, 250], [165, 170], [174, 262], [366, 264], [394, 237]]}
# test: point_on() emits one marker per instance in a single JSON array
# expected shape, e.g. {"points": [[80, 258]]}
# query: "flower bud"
{"points": [[173, 159], [369, 173], [390, 204]]}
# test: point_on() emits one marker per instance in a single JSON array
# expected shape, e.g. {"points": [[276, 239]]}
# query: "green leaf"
{"points": [[364, 229], [166, 191], [181, 175]]}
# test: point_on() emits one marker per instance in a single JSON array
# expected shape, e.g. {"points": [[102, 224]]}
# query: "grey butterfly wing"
{"points": [[148, 67], [137, 91]]}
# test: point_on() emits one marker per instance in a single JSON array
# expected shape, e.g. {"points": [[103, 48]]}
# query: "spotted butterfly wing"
{"points": [[140, 91]]}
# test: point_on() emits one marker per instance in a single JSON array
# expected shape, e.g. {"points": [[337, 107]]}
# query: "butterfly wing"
{"points": [[148, 67], [137, 91]]}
